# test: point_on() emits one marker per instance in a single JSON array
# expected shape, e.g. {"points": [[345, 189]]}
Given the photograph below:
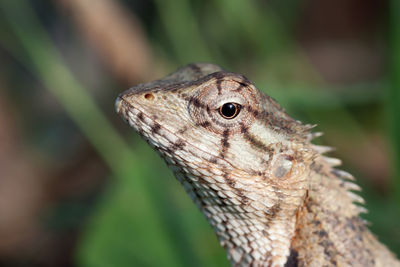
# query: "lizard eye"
{"points": [[229, 110]]}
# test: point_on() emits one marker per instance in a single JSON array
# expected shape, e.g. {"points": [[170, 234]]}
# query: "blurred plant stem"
{"points": [[40, 56], [393, 100], [183, 31]]}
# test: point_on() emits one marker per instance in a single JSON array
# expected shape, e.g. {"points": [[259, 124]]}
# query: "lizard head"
{"points": [[240, 157], [219, 113]]}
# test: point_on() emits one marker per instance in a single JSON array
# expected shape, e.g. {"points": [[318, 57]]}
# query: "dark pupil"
{"points": [[229, 110]]}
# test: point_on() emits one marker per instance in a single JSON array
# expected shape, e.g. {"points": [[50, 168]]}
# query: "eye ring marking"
{"points": [[229, 110]]}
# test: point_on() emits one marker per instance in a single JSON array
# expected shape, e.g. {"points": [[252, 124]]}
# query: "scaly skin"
{"points": [[269, 194]]}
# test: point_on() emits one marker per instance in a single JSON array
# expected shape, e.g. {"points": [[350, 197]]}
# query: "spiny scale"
{"points": [[269, 194]]}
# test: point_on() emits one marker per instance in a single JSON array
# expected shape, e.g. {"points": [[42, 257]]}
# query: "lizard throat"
{"points": [[253, 234]]}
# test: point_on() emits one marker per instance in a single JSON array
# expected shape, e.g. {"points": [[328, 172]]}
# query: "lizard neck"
{"points": [[255, 227], [315, 224]]}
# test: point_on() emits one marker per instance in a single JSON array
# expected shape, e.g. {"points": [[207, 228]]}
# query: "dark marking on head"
{"points": [[155, 128], [220, 75], [219, 87], [245, 82], [205, 124], [196, 103], [178, 145], [255, 142], [225, 138], [322, 233], [213, 160], [287, 125], [140, 116], [255, 113], [224, 142], [183, 129], [240, 87], [231, 183], [293, 259], [243, 128]]}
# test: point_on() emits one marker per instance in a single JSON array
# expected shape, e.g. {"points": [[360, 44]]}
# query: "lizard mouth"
{"points": [[145, 125], [118, 104], [123, 108]]}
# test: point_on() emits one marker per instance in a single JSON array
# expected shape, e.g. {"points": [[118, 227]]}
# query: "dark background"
{"points": [[79, 188]]}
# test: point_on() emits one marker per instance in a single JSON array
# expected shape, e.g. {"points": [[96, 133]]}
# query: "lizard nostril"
{"points": [[149, 96]]}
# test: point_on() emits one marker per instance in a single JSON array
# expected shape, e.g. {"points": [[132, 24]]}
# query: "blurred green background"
{"points": [[79, 188]]}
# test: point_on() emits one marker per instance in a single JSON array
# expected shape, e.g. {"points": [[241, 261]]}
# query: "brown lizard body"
{"points": [[271, 196]]}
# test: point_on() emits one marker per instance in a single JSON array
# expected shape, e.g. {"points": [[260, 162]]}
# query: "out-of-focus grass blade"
{"points": [[41, 57], [277, 51], [183, 31]]}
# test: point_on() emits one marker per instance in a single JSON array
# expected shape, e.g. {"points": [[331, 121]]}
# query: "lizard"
{"points": [[272, 197]]}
